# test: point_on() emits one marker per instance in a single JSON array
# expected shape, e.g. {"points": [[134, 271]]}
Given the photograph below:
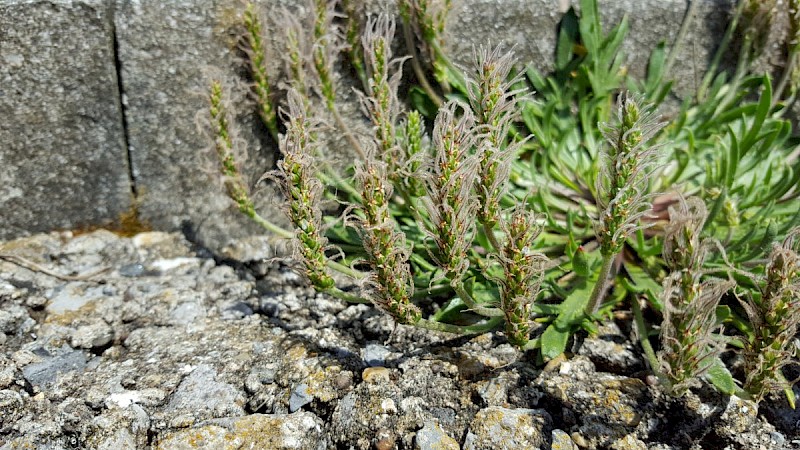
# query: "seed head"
{"points": [[450, 203], [775, 316], [523, 269], [626, 165]]}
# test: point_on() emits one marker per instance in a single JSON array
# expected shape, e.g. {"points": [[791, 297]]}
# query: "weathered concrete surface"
{"points": [[63, 162], [166, 49], [531, 28]]}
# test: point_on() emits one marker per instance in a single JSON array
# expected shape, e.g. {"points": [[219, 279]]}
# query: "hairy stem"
{"points": [[475, 307], [421, 78], [348, 133], [489, 325], [601, 285], [641, 330]]}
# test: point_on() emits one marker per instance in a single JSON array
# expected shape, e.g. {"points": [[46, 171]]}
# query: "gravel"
{"points": [[167, 348]]}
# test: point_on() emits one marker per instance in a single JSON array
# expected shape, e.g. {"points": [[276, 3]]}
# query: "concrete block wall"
{"points": [[98, 99]]}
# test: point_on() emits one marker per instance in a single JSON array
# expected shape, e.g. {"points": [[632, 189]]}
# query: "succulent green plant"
{"points": [[540, 214]]}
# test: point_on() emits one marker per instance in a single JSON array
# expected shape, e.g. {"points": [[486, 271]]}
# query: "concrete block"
{"points": [[166, 49], [530, 27], [63, 162]]}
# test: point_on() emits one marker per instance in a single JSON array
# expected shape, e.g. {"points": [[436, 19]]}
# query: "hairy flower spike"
{"points": [[354, 11], [295, 57], [622, 183], [682, 245], [302, 189], [451, 204], [523, 269], [494, 100], [387, 253], [257, 52], [411, 141], [383, 78], [688, 329], [775, 316], [428, 18], [687, 332], [225, 141], [326, 47]]}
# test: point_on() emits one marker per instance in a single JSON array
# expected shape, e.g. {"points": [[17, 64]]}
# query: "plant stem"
{"points": [[489, 232], [600, 286], [343, 269], [785, 76], [421, 78], [489, 325], [641, 329], [473, 306], [271, 227], [687, 20], [349, 298], [440, 289], [722, 49], [348, 133], [329, 177]]}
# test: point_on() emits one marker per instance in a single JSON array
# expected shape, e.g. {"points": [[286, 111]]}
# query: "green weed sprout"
{"points": [[540, 214]]}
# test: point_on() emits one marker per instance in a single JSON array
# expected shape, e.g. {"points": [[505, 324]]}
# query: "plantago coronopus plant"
{"points": [[690, 324], [622, 184], [774, 314], [506, 199]]}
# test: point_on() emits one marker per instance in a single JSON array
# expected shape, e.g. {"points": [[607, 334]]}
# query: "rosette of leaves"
{"points": [[539, 214]]}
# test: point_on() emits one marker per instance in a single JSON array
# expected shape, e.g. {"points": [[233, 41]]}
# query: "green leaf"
{"points": [[422, 103], [590, 26], [642, 283], [567, 38], [451, 311], [721, 378], [555, 337], [764, 106], [655, 67]]}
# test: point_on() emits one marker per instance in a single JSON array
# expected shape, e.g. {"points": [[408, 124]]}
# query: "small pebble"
{"points": [[300, 397], [132, 270], [375, 375]]}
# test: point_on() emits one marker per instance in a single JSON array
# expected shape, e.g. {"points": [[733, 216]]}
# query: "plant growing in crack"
{"points": [[540, 214]]}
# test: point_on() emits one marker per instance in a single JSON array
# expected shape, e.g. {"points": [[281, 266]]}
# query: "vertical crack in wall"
{"points": [[123, 108]]}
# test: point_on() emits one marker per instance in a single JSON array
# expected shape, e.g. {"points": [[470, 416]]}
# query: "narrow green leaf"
{"points": [[721, 378], [567, 38], [422, 103], [555, 337]]}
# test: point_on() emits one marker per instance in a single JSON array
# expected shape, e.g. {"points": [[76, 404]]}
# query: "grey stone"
{"points": [[302, 430], [8, 371], [205, 397], [375, 355], [132, 270], [120, 428], [585, 393], [504, 428], [12, 406], [95, 335], [167, 49], [432, 437], [611, 351], [63, 161], [561, 441], [530, 27], [300, 397], [45, 372]]}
